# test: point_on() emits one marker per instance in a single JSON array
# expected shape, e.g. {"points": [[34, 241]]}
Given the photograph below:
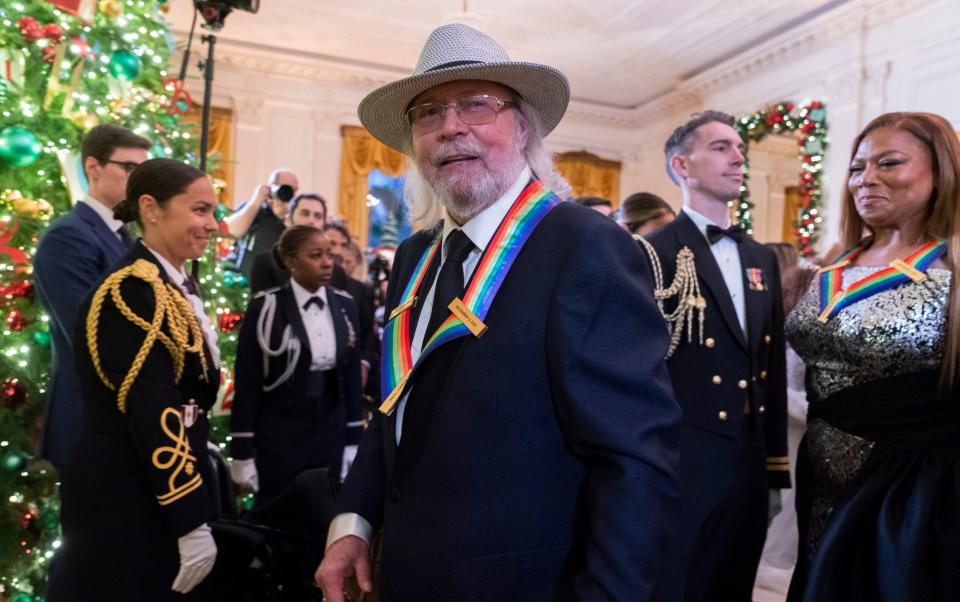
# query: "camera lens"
{"points": [[284, 192]]}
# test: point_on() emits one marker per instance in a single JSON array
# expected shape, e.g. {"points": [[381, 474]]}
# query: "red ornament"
{"points": [[789, 107], [83, 49], [16, 320], [52, 32], [49, 53], [30, 29], [229, 322], [13, 394]]}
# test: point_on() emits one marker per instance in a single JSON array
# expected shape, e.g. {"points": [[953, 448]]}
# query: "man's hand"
{"points": [[347, 556], [243, 473], [262, 195]]}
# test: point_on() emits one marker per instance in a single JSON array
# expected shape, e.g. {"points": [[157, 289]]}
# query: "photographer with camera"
{"points": [[258, 223]]}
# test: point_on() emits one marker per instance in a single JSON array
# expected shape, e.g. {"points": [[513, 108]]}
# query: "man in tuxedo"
{"points": [[72, 255], [538, 460], [731, 381]]}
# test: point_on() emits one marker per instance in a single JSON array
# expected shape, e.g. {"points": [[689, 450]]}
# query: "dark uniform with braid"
{"points": [[142, 470]]}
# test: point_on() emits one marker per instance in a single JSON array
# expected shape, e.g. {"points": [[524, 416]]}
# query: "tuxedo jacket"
{"points": [[142, 476], [73, 254], [539, 460], [714, 381], [284, 420]]}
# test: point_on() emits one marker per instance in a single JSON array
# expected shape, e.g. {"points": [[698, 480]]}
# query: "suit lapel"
{"points": [[339, 322], [709, 273], [108, 239], [756, 302], [289, 305]]}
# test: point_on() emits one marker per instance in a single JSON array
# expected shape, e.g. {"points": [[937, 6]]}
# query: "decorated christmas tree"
{"points": [[66, 66]]}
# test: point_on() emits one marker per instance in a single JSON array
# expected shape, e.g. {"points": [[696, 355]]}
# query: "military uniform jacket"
{"points": [[714, 381], [141, 474], [281, 417]]}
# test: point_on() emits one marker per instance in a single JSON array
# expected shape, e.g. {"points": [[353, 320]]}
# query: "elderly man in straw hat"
{"points": [[526, 444]]}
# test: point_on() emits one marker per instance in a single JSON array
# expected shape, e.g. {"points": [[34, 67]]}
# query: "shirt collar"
{"points": [[302, 295], [481, 228], [173, 274], [699, 220], [105, 213]]}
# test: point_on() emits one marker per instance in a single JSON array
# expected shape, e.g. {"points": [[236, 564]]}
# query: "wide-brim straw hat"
{"points": [[458, 52]]}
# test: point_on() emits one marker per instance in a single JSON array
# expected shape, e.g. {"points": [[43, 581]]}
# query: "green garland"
{"points": [[810, 126]]}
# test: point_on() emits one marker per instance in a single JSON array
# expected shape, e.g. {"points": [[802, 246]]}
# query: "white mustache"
{"points": [[459, 147]]}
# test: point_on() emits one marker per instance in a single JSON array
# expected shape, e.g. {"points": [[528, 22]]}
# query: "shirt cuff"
{"points": [[346, 524]]}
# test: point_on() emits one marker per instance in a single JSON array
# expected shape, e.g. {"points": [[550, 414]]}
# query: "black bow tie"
{"points": [[734, 232], [190, 285], [314, 301]]}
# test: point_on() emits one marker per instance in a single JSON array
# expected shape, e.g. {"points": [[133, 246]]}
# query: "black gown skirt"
{"points": [[894, 533]]}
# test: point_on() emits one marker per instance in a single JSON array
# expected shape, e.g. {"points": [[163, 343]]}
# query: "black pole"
{"points": [[207, 67]]}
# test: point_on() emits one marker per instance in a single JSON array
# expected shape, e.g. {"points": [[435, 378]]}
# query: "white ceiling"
{"points": [[617, 53]]}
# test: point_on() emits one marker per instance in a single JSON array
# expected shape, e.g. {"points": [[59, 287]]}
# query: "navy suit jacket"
{"points": [[74, 252], [546, 466]]}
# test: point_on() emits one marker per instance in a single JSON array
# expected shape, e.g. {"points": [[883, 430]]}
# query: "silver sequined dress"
{"points": [[897, 331]]}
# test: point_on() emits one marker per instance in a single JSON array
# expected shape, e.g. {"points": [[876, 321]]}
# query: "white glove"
{"points": [[349, 453], [198, 552], [244, 474]]}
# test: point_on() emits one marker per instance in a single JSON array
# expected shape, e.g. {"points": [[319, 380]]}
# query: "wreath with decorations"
{"points": [[807, 121]]}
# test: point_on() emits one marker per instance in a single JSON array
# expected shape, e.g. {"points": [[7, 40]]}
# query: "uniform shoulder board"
{"points": [[267, 291], [342, 293]]}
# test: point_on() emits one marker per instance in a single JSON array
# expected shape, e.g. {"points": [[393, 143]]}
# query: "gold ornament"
{"points": [[24, 207], [111, 9], [84, 120], [119, 107]]}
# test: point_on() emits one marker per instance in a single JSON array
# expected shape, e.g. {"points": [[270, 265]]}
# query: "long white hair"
{"points": [[426, 205]]}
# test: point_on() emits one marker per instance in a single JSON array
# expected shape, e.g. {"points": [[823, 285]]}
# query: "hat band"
{"points": [[454, 64]]}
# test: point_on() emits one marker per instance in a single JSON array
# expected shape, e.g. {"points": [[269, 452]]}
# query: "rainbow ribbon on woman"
{"points": [[519, 223], [833, 298]]}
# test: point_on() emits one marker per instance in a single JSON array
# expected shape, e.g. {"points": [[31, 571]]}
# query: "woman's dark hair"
{"points": [[290, 242], [641, 207], [162, 179]]}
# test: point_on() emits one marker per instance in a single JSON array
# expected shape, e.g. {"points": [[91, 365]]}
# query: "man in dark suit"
{"points": [[538, 460], [731, 380], [72, 255]]}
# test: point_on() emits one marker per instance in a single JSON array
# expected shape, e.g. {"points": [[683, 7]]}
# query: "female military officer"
{"points": [[297, 403], [136, 512]]}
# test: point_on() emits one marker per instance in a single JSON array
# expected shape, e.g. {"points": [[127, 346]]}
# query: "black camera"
{"points": [[215, 11], [282, 192]]}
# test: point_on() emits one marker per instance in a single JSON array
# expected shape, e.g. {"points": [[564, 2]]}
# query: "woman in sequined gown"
{"points": [[878, 475]]}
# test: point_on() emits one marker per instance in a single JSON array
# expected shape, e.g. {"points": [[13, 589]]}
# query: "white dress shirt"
{"points": [[480, 229], [178, 278], [319, 326], [727, 255], [105, 213]]}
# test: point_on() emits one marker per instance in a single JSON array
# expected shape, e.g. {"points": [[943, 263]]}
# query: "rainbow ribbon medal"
{"points": [[833, 298], [519, 223]]}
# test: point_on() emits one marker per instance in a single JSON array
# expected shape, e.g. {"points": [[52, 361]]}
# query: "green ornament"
{"points": [[42, 338], [125, 65], [220, 212], [813, 147], [161, 1], [817, 115], [19, 147], [49, 519], [247, 502], [14, 462], [22, 597], [228, 278], [241, 281]]}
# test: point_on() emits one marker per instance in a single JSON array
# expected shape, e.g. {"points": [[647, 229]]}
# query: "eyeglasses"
{"points": [[127, 166], [472, 110]]}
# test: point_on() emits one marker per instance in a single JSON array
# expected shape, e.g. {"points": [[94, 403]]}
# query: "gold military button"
{"points": [[763, 374], [742, 384], [716, 379], [710, 342], [766, 338], [722, 415], [762, 409]]}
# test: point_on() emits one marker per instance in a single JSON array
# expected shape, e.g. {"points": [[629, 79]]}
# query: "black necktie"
{"points": [[314, 301], [734, 232], [450, 280], [125, 238], [191, 286]]}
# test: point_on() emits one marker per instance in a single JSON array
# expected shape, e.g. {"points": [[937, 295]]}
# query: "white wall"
{"points": [[862, 58]]}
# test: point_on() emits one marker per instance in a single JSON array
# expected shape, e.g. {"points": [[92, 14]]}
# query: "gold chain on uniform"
{"points": [[185, 335], [685, 286]]}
